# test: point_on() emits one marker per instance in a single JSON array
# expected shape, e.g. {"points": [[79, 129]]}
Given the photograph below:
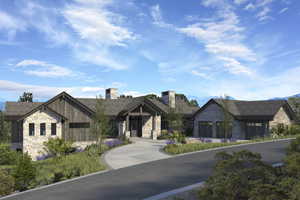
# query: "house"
{"points": [[245, 119], [69, 118]]}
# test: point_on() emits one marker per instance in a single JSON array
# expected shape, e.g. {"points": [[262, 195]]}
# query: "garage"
{"points": [[205, 129]]}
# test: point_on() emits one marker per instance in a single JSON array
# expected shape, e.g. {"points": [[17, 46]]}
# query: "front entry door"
{"points": [[136, 125]]}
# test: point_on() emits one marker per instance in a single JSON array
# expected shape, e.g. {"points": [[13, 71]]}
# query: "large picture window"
{"points": [[43, 129], [221, 127], [31, 129], [255, 129], [79, 125]]}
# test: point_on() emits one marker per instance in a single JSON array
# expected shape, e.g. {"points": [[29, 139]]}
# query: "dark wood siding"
{"points": [[74, 114], [16, 131]]}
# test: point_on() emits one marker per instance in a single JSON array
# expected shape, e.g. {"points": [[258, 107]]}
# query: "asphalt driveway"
{"points": [[141, 151], [148, 179]]}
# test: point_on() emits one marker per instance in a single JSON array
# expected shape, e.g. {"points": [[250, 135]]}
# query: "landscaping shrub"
{"points": [[70, 166], [294, 129], [240, 176], [24, 172], [294, 146], [279, 130], [189, 132], [165, 135], [8, 156], [113, 143], [178, 137], [95, 149], [58, 147], [7, 183]]}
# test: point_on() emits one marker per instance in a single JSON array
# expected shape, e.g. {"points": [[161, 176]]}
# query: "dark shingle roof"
{"points": [[20, 108], [252, 108], [113, 107]]}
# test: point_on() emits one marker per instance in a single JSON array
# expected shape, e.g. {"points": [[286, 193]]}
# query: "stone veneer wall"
{"points": [[147, 126], [34, 144], [281, 117]]}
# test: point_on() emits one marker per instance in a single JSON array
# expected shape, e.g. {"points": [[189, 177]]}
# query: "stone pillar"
{"points": [[127, 131], [154, 127]]}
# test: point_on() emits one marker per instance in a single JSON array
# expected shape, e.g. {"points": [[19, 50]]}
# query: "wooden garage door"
{"points": [[205, 129]]}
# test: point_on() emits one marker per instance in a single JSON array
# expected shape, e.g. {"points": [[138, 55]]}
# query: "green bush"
{"points": [[280, 130], [8, 156], [242, 175], [189, 132], [7, 183], [58, 147], [294, 129], [294, 146], [178, 137], [24, 173], [95, 149]]}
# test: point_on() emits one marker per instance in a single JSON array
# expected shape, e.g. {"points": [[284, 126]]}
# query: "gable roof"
{"points": [[251, 109], [113, 107]]}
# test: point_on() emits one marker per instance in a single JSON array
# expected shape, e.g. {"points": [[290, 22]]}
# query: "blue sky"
{"points": [[248, 49]]}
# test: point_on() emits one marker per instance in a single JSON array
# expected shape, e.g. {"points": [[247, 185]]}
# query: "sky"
{"points": [[247, 49]]}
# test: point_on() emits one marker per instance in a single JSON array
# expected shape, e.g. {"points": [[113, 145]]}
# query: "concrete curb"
{"points": [[186, 188]]}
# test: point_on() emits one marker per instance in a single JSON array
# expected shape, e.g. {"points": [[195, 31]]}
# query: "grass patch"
{"points": [[58, 169], [174, 149], [185, 148]]}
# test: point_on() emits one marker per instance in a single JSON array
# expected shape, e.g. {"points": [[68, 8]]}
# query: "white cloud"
{"points": [[264, 14], [222, 37], [235, 50], [45, 69], [45, 92], [11, 24], [235, 67], [97, 24], [283, 10], [200, 74], [250, 6], [157, 17]]}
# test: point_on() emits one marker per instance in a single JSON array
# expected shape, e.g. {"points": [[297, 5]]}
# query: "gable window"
{"points": [[79, 125], [31, 129], [43, 129], [53, 129]]}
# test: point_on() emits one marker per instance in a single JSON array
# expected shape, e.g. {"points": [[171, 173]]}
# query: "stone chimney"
{"points": [[111, 93], [168, 97]]}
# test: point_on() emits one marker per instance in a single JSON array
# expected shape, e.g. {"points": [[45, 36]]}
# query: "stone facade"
{"points": [[34, 144], [147, 127], [281, 117]]}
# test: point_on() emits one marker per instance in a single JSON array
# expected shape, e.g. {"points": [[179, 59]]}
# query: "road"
{"points": [[148, 179]]}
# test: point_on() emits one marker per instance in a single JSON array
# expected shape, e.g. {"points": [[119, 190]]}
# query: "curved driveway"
{"points": [[141, 151], [148, 179]]}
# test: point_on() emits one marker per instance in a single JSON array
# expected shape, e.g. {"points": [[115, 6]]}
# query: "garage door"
{"points": [[205, 129]]}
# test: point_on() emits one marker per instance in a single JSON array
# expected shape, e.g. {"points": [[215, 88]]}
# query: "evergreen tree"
{"points": [[100, 126], [4, 129], [26, 97]]}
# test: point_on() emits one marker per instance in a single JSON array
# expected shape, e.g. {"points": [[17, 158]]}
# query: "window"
{"points": [[80, 125], [220, 128], [53, 129], [255, 129], [31, 129], [42, 129]]}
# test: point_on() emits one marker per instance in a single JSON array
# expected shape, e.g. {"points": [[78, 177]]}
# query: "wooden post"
{"points": [[127, 122]]}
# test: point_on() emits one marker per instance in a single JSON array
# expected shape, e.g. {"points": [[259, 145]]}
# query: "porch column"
{"points": [[127, 131], [154, 131]]}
